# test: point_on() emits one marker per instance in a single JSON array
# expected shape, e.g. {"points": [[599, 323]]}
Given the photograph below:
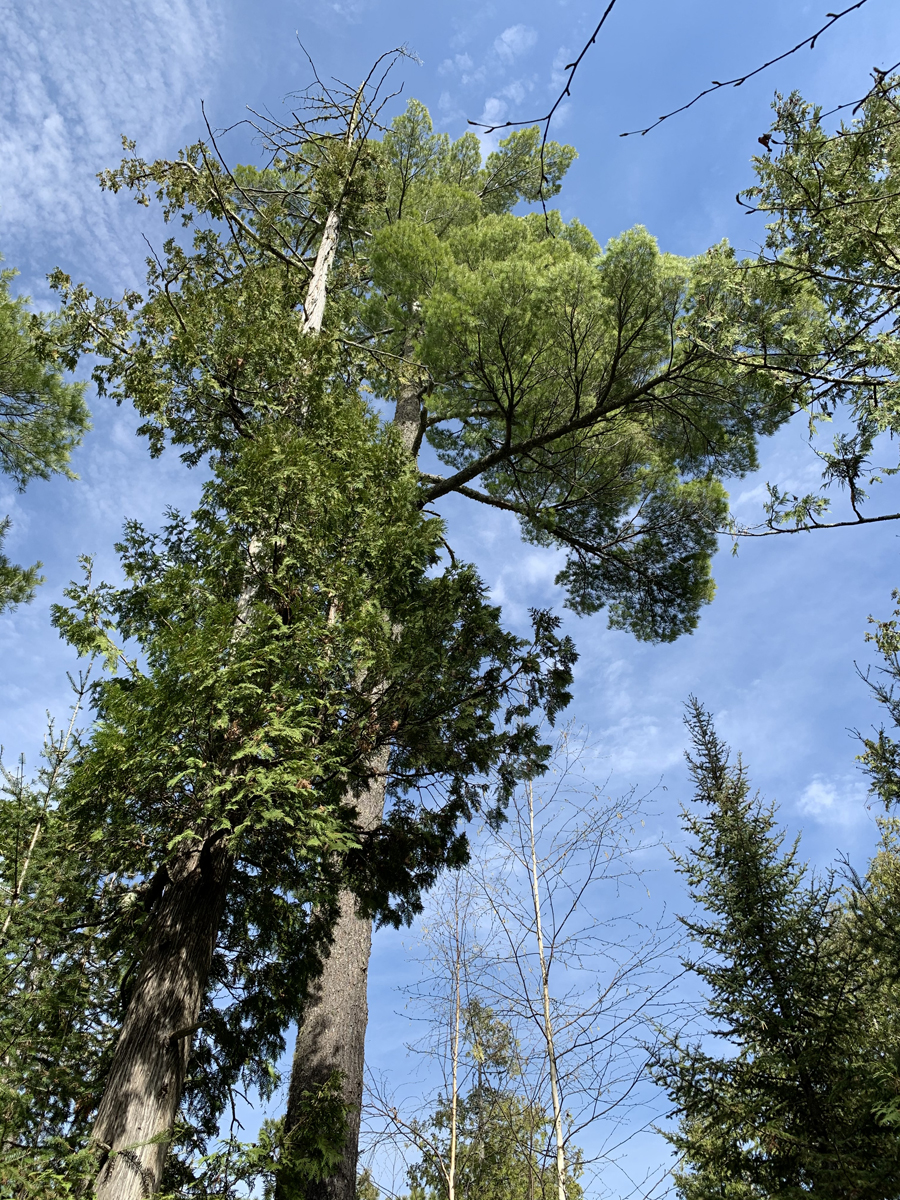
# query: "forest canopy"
{"points": [[300, 699]]}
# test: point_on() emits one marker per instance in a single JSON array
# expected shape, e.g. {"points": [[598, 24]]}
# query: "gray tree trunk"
{"points": [[143, 1089], [332, 1033]]}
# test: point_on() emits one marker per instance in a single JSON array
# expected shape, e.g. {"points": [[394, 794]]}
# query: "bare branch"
{"points": [[738, 80], [571, 67]]}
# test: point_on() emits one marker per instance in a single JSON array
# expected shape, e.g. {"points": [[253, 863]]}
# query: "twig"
{"points": [[758, 531], [571, 67], [738, 80]]}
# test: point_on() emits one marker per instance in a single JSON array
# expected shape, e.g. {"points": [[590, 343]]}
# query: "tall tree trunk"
{"points": [[332, 1032], [143, 1090], [332, 1035]]}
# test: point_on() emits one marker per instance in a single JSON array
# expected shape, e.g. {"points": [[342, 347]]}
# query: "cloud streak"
{"points": [[834, 800], [75, 78]]}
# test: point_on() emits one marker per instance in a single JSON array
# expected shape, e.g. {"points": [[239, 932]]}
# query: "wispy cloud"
{"points": [[836, 800], [458, 63], [562, 58], [501, 59], [514, 41], [494, 111], [75, 78]]}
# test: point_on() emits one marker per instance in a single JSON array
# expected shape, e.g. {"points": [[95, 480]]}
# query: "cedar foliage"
{"points": [[42, 418], [831, 196]]}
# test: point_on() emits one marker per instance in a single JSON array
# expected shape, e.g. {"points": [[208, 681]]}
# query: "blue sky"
{"points": [[775, 654]]}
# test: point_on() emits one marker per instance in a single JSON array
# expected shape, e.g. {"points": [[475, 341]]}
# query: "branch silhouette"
{"points": [[571, 67], [738, 80], [715, 86]]}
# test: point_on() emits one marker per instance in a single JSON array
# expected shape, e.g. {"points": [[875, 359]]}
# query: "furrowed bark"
{"points": [[143, 1090], [332, 1034]]}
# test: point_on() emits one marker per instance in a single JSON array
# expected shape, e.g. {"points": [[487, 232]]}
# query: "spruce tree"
{"points": [[782, 1093]]}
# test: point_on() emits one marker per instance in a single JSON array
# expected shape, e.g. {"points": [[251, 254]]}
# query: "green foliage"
{"points": [[314, 1147], [501, 1154], [41, 418], [794, 1102], [833, 200], [17, 584], [259, 657], [881, 753], [58, 997], [600, 396], [444, 183], [308, 1154], [267, 653], [365, 1186]]}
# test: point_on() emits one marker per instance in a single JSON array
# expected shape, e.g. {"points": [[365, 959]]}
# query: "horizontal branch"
{"points": [[757, 532]]}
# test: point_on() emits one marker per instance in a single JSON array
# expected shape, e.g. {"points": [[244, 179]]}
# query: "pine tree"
{"points": [[792, 1102]]}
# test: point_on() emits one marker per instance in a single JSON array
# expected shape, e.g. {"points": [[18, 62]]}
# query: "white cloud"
{"points": [[515, 41], [16, 537], [459, 62], [448, 109], [839, 800], [561, 60], [561, 116], [75, 78], [493, 113], [349, 12], [516, 90]]}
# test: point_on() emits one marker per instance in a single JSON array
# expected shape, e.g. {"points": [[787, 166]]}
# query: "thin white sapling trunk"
{"points": [[545, 996]]}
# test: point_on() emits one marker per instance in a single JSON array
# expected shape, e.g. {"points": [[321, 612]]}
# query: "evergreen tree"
{"points": [[793, 1103], [299, 651], [218, 814], [57, 995], [41, 418], [832, 199]]}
